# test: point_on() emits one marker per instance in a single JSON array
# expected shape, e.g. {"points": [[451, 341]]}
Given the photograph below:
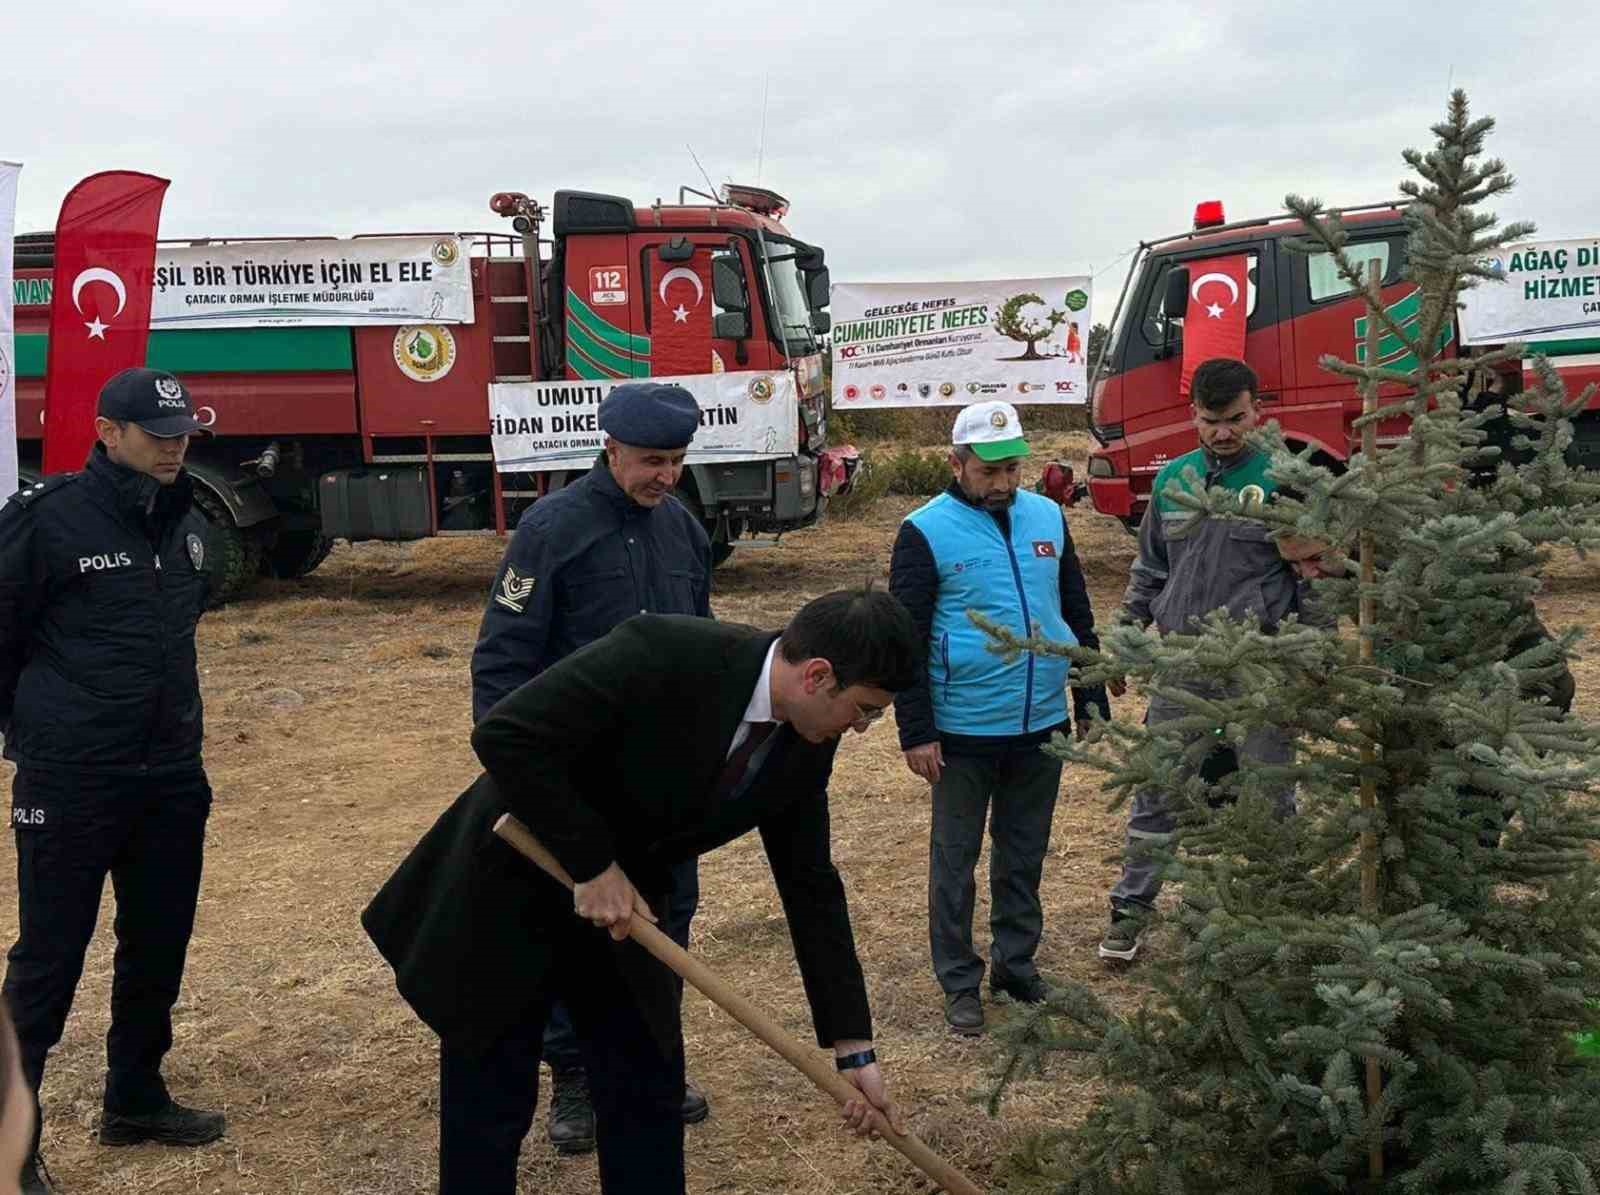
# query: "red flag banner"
{"points": [[1213, 325], [680, 319], [105, 254]]}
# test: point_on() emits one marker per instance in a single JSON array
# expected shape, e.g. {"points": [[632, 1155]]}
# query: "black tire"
{"points": [[232, 557], [720, 551], [295, 553]]}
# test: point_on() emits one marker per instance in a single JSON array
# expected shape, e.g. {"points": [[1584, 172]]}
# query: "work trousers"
{"points": [[560, 1035], [73, 829], [1150, 823], [487, 1095], [1016, 792]]}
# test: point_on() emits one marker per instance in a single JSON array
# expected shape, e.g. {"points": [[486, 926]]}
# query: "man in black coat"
{"points": [[102, 582], [614, 543], [664, 740]]}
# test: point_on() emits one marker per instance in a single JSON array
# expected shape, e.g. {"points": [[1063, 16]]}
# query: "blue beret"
{"points": [[650, 415]]}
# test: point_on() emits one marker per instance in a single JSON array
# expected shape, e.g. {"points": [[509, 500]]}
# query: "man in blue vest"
{"points": [[975, 725]]}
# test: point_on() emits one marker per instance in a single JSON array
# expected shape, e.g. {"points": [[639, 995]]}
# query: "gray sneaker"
{"points": [[963, 1012], [1121, 942]]}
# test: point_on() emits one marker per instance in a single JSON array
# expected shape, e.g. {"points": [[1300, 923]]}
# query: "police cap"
{"points": [[650, 415], [153, 399]]}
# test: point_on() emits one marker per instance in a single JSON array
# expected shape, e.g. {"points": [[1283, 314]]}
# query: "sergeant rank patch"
{"points": [[514, 590]]}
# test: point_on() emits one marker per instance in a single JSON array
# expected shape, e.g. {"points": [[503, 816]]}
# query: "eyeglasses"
{"points": [[867, 714]]}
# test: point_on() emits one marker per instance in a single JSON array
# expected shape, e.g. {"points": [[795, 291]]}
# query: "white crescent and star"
{"points": [[1212, 309], [97, 330], [680, 314]]}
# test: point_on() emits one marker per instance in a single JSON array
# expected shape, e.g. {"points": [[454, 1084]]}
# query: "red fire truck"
{"points": [[1299, 309], [319, 434]]}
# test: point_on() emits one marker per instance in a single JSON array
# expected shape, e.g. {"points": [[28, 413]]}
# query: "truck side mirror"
{"points": [[677, 249], [818, 287], [821, 323], [1176, 302], [809, 258], [727, 285], [731, 325]]}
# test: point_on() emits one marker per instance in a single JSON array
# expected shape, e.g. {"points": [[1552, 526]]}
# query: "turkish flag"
{"points": [[680, 319], [1213, 325], [105, 257]]}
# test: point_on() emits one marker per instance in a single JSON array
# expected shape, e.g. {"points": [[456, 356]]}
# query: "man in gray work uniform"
{"points": [[1226, 564]]}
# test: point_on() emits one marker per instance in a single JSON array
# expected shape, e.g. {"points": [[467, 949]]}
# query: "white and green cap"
{"points": [[991, 429]]}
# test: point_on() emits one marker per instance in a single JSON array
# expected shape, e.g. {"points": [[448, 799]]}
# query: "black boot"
{"points": [[571, 1126], [35, 1178], [695, 1105], [172, 1125]]}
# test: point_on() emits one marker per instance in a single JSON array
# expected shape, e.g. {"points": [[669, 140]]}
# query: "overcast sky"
{"points": [[916, 140]]}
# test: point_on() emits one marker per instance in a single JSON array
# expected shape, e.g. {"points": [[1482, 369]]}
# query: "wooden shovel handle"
{"points": [[804, 1059]]}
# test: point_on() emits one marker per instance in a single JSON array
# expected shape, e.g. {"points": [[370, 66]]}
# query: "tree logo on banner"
{"points": [[1012, 322], [424, 352]]}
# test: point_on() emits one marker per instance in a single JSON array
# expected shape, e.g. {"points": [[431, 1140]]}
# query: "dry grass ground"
{"points": [[339, 713]]}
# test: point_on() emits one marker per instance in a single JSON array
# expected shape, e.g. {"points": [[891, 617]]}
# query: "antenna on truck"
{"points": [[761, 150], [711, 186]]}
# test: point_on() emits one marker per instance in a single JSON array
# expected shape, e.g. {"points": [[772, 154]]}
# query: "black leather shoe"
{"points": [[172, 1125], [1032, 990], [35, 1178], [695, 1105], [963, 1012], [571, 1126]]}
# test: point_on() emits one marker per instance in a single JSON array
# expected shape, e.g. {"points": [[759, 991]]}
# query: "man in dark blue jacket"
{"points": [[975, 725], [613, 544], [102, 581]]}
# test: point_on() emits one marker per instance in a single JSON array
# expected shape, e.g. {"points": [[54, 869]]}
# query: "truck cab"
{"points": [[1299, 309]]}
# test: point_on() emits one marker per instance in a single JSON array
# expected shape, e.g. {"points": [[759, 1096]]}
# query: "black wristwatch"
{"points": [[860, 1058]]}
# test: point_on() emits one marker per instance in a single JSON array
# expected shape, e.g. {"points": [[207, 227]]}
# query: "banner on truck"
{"points": [[284, 284], [939, 344], [8, 353], [1551, 291], [537, 426]]}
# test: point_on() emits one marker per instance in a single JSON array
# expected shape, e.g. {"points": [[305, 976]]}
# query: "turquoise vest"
{"points": [[1016, 583]]}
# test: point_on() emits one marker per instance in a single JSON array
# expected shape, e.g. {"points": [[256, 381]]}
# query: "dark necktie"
{"points": [[733, 771]]}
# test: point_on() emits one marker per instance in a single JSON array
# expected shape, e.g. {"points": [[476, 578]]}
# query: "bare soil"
{"points": [[339, 713]]}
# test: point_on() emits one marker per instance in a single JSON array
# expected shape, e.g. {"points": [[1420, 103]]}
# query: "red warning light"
{"points": [[1209, 214]]}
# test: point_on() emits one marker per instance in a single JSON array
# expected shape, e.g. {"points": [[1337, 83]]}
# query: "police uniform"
{"points": [[583, 560], [102, 581]]}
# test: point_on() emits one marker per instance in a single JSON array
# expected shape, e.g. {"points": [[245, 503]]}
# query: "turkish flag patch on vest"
{"points": [[1044, 547]]}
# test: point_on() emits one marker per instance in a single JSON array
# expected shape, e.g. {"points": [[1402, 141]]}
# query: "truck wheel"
{"points": [[719, 551], [232, 557], [295, 553]]}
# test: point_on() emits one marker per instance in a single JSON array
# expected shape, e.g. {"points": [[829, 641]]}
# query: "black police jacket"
{"points": [[102, 582], [583, 560]]}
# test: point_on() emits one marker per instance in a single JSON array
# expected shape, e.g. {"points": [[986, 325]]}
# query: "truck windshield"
{"points": [[792, 319]]}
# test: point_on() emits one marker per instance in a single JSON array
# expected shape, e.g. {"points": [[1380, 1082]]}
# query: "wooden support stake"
{"points": [[1368, 617]]}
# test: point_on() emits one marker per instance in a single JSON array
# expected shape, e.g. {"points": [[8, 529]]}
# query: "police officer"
{"points": [[101, 584], [613, 544]]}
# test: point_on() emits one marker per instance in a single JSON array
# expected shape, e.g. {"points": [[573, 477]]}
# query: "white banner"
{"points": [[8, 347], [1551, 291], [936, 344], [537, 426], [281, 284]]}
